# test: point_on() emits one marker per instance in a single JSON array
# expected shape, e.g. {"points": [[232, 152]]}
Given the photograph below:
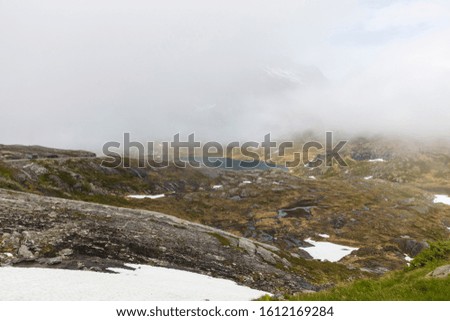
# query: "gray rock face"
{"points": [[267, 255], [91, 236], [440, 272], [66, 252], [247, 245], [54, 260]]}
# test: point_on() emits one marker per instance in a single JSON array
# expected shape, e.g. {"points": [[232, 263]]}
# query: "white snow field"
{"points": [[325, 236], [153, 197], [146, 283], [327, 251], [444, 199]]}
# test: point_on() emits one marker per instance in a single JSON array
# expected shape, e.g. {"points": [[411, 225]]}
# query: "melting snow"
{"points": [[140, 197], [146, 283], [442, 199], [246, 182], [327, 251], [408, 259], [376, 160], [312, 177], [217, 186], [368, 177], [325, 236]]}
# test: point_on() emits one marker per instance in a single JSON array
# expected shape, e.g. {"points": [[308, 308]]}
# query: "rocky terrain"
{"points": [[384, 208], [52, 232], [18, 152]]}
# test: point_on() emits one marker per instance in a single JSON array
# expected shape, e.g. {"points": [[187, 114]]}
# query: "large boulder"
{"points": [[440, 272], [25, 253], [411, 246]]}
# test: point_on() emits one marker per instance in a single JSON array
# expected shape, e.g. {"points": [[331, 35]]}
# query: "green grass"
{"points": [[222, 239], [321, 273], [410, 284], [438, 251], [5, 171]]}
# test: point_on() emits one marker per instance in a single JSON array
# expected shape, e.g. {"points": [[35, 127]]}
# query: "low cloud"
{"points": [[79, 73]]}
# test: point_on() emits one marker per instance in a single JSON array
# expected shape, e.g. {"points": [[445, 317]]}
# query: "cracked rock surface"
{"points": [[58, 233]]}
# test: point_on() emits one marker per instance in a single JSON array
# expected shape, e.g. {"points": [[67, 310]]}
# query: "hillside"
{"points": [[384, 209], [428, 278]]}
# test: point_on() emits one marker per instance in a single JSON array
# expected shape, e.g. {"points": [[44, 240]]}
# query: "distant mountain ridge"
{"points": [[17, 152]]}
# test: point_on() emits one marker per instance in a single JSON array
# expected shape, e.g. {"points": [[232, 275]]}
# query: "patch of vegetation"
{"points": [[437, 252], [411, 284], [222, 239], [7, 179], [5, 171]]}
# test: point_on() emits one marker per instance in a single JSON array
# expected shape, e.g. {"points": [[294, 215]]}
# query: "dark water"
{"points": [[235, 164]]}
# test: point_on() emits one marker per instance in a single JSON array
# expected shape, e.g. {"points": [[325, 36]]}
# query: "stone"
{"points": [[53, 214], [267, 255], [338, 222], [96, 269], [54, 260], [66, 252], [410, 246], [244, 193], [247, 245], [25, 253], [286, 263], [440, 272]]}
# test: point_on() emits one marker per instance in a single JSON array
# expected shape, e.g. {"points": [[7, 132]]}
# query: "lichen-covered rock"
{"points": [[25, 253], [247, 245], [440, 272]]}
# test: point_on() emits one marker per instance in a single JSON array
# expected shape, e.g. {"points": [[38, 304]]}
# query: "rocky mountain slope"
{"points": [[17, 152], [44, 231], [383, 208]]}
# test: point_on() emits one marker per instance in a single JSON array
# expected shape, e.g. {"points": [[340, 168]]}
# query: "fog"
{"points": [[79, 73]]}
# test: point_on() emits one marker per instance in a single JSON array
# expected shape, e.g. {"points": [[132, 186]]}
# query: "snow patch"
{"points": [[140, 197], [440, 198], [246, 182], [325, 236], [146, 283], [217, 187], [368, 177], [311, 177], [376, 160], [327, 251], [7, 254]]}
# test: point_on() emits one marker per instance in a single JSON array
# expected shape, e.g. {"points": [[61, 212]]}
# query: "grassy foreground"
{"points": [[410, 284]]}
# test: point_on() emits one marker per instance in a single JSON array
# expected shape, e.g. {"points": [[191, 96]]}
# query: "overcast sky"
{"points": [[79, 73]]}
